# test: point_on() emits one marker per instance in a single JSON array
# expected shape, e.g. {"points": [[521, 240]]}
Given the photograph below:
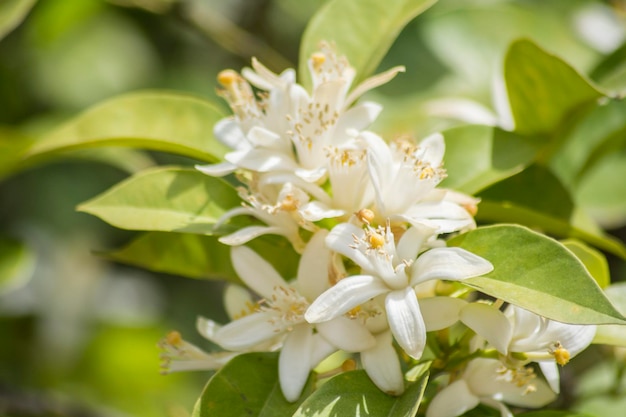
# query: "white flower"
{"points": [[405, 178], [541, 340], [281, 314], [393, 271], [180, 355], [487, 381], [288, 129]]}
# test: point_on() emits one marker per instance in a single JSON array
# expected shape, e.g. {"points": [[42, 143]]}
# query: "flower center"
{"points": [[289, 307]]}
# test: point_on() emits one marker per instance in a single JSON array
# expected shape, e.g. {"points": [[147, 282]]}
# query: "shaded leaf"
{"points": [[188, 255], [537, 273], [17, 263], [554, 413], [12, 13], [479, 156], [165, 199], [157, 121], [353, 393], [362, 30], [536, 198], [614, 334], [543, 89], [247, 386]]}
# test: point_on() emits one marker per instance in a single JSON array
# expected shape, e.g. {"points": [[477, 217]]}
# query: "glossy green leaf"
{"points": [[17, 263], [188, 255], [543, 90], [362, 30], [12, 13], [165, 199], [479, 156], [158, 121], [354, 394], [247, 386], [614, 334], [13, 145], [594, 260], [610, 73], [536, 198], [537, 273]]}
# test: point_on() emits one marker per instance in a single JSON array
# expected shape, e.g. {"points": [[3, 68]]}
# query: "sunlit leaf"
{"points": [[353, 394], [362, 30], [594, 260], [543, 90], [165, 199], [17, 263], [479, 156], [537, 273], [12, 13], [247, 386], [157, 121]]}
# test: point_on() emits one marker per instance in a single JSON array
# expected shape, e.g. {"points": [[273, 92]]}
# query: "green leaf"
{"points": [[13, 145], [353, 394], [537, 273], [479, 156], [165, 199], [12, 13], [594, 261], [188, 255], [17, 263], [536, 198], [543, 89], [157, 121], [363, 31], [553, 413], [247, 386], [614, 334]]}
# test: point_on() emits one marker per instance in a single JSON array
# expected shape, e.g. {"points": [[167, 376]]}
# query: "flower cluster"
{"points": [[375, 275]]}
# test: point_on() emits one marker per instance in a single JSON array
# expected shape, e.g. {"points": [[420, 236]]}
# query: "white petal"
{"points": [[440, 312], [512, 394], [261, 160], [340, 239], [321, 350], [504, 410], [311, 175], [452, 401], [433, 148], [259, 136], [217, 170], [382, 365], [406, 322], [452, 264], [489, 323], [294, 361], [246, 332], [258, 274], [246, 234], [412, 241], [346, 334], [357, 117], [312, 275], [316, 211], [237, 300], [373, 82], [207, 328], [344, 296], [550, 371], [228, 131]]}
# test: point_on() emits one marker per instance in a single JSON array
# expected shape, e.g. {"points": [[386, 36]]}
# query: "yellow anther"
{"points": [[227, 77], [174, 338], [348, 365], [376, 240], [354, 312], [471, 208], [318, 59], [365, 216], [289, 203], [561, 355]]}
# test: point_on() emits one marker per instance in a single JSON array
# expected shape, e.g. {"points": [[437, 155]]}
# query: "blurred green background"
{"points": [[78, 334]]}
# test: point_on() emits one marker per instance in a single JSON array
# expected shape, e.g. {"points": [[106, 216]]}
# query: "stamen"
{"points": [[561, 355], [227, 78], [318, 59], [365, 216]]}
